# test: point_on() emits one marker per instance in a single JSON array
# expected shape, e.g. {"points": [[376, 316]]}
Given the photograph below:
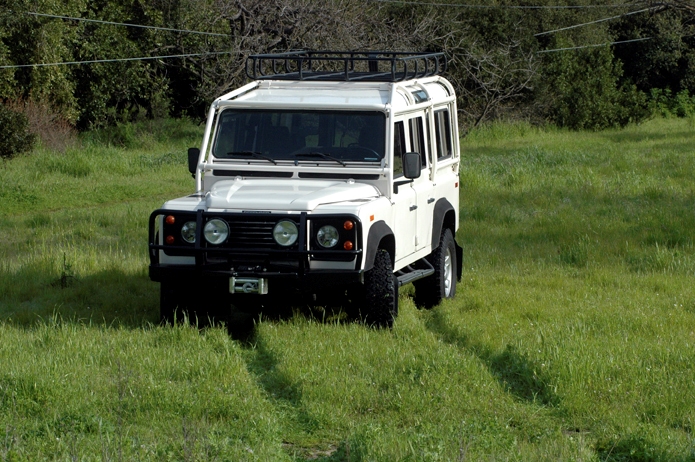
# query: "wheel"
{"points": [[171, 303], [380, 292], [175, 305], [430, 291]]}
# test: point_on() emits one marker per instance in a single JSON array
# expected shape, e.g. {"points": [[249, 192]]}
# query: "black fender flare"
{"points": [[380, 236], [444, 216]]}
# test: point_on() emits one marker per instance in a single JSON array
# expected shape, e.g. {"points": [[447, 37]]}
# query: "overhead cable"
{"points": [[594, 46], [115, 60], [43, 15], [595, 22], [508, 7]]}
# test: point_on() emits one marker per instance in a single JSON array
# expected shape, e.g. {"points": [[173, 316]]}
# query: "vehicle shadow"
{"points": [[34, 295], [110, 297], [244, 318]]}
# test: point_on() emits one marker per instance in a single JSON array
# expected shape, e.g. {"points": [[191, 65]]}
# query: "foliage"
{"points": [[585, 91], [666, 58], [664, 104], [494, 61], [15, 136]]}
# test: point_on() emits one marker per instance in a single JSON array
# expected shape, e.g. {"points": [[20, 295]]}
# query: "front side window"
{"points": [[300, 135], [417, 139], [398, 148]]}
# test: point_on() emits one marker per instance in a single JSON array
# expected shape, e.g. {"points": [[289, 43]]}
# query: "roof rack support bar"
{"points": [[345, 65]]}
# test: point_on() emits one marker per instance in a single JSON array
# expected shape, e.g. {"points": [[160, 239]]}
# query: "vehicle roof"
{"points": [[381, 96]]}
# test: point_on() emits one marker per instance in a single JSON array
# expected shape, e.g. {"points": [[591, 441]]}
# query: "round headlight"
{"points": [[216, 231], [285, 233], [188, 232], [327, 236]]}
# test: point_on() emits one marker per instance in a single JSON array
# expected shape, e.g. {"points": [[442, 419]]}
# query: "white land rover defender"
{"points": [[331, 174]]}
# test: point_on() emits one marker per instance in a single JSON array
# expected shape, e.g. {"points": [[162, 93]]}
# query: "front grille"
{"points": [[250, 234], [251, 231]]}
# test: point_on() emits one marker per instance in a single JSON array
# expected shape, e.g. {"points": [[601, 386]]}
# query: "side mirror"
{"points": [[193, 155], [411, 165]]}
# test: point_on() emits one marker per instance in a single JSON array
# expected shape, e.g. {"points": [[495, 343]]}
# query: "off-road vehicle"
{"points": [[331, 176]]}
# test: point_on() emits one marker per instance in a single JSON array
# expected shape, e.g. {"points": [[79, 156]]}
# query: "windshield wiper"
{"points": [[322, 155], [255, 154]]}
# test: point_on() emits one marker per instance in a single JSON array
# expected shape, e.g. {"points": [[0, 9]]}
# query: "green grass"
{"points": [[571, 337]]}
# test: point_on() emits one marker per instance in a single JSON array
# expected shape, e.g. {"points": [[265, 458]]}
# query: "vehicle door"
{"points": [[423, 185], [404, 197]]}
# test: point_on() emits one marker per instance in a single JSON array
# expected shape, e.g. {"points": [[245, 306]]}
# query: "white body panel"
{"points": [[365, 189]]}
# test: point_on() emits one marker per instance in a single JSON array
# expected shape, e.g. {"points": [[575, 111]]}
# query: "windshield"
{"points": [[325, 136]]}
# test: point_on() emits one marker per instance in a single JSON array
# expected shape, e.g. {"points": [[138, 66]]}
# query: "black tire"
{"points": [[430, 291], [175, 305], [171, 303], [380, 292]]}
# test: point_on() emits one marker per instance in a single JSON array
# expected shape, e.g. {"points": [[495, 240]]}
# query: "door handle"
{"points": [[413, 207], [430, 200]]}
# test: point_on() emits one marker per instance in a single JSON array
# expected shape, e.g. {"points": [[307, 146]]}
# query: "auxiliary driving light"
{"points": [[285, 233], [216, 231]]}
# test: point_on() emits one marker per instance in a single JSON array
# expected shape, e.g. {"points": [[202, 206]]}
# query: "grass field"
{"points": [[572, 336]]}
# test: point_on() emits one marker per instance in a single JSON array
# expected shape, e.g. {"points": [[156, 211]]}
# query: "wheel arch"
{"points": [[380, 236], [444, 217]]}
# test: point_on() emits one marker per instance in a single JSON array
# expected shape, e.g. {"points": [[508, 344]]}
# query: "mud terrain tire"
{"points": [[381, 292], [430, 291]]}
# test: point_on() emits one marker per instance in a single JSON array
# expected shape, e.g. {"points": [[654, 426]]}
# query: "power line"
{"points": [[115, 60], [608, 43], [595, 22], [509, 7], [125, 24], [597, 45]]}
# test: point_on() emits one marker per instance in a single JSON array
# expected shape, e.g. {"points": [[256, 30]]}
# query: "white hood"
{"points": [[285, 194]]}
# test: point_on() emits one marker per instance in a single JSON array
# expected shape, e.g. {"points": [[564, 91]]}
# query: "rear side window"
{"points": [[442, 133]]}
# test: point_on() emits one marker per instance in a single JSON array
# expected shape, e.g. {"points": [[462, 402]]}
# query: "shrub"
{"points": [[15, 136], [585, 91], [663, 103], [51, 129]]}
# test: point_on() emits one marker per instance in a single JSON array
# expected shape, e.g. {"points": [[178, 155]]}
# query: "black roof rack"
{"points": [[353, 66]]}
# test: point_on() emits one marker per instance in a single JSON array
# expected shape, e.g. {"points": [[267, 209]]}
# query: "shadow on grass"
{"points": [[110, 297], [513, 369], [248, 310], [662, 140], [635, 448], [114, 297]]}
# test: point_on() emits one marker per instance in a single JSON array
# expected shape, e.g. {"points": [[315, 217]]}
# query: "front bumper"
{"points": [[302, 267]]}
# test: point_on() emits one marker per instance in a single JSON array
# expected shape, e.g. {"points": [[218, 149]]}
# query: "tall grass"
{"points": [[571, 337], [78, 220]]}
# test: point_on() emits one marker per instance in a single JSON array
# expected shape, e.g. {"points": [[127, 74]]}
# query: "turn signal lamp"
{"points": [[348, 225], [169, 240], [348, 245], [170, 220]]}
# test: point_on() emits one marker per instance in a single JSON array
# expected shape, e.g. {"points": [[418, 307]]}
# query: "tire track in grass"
{"points": [[514, 370], [285, 396]]}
